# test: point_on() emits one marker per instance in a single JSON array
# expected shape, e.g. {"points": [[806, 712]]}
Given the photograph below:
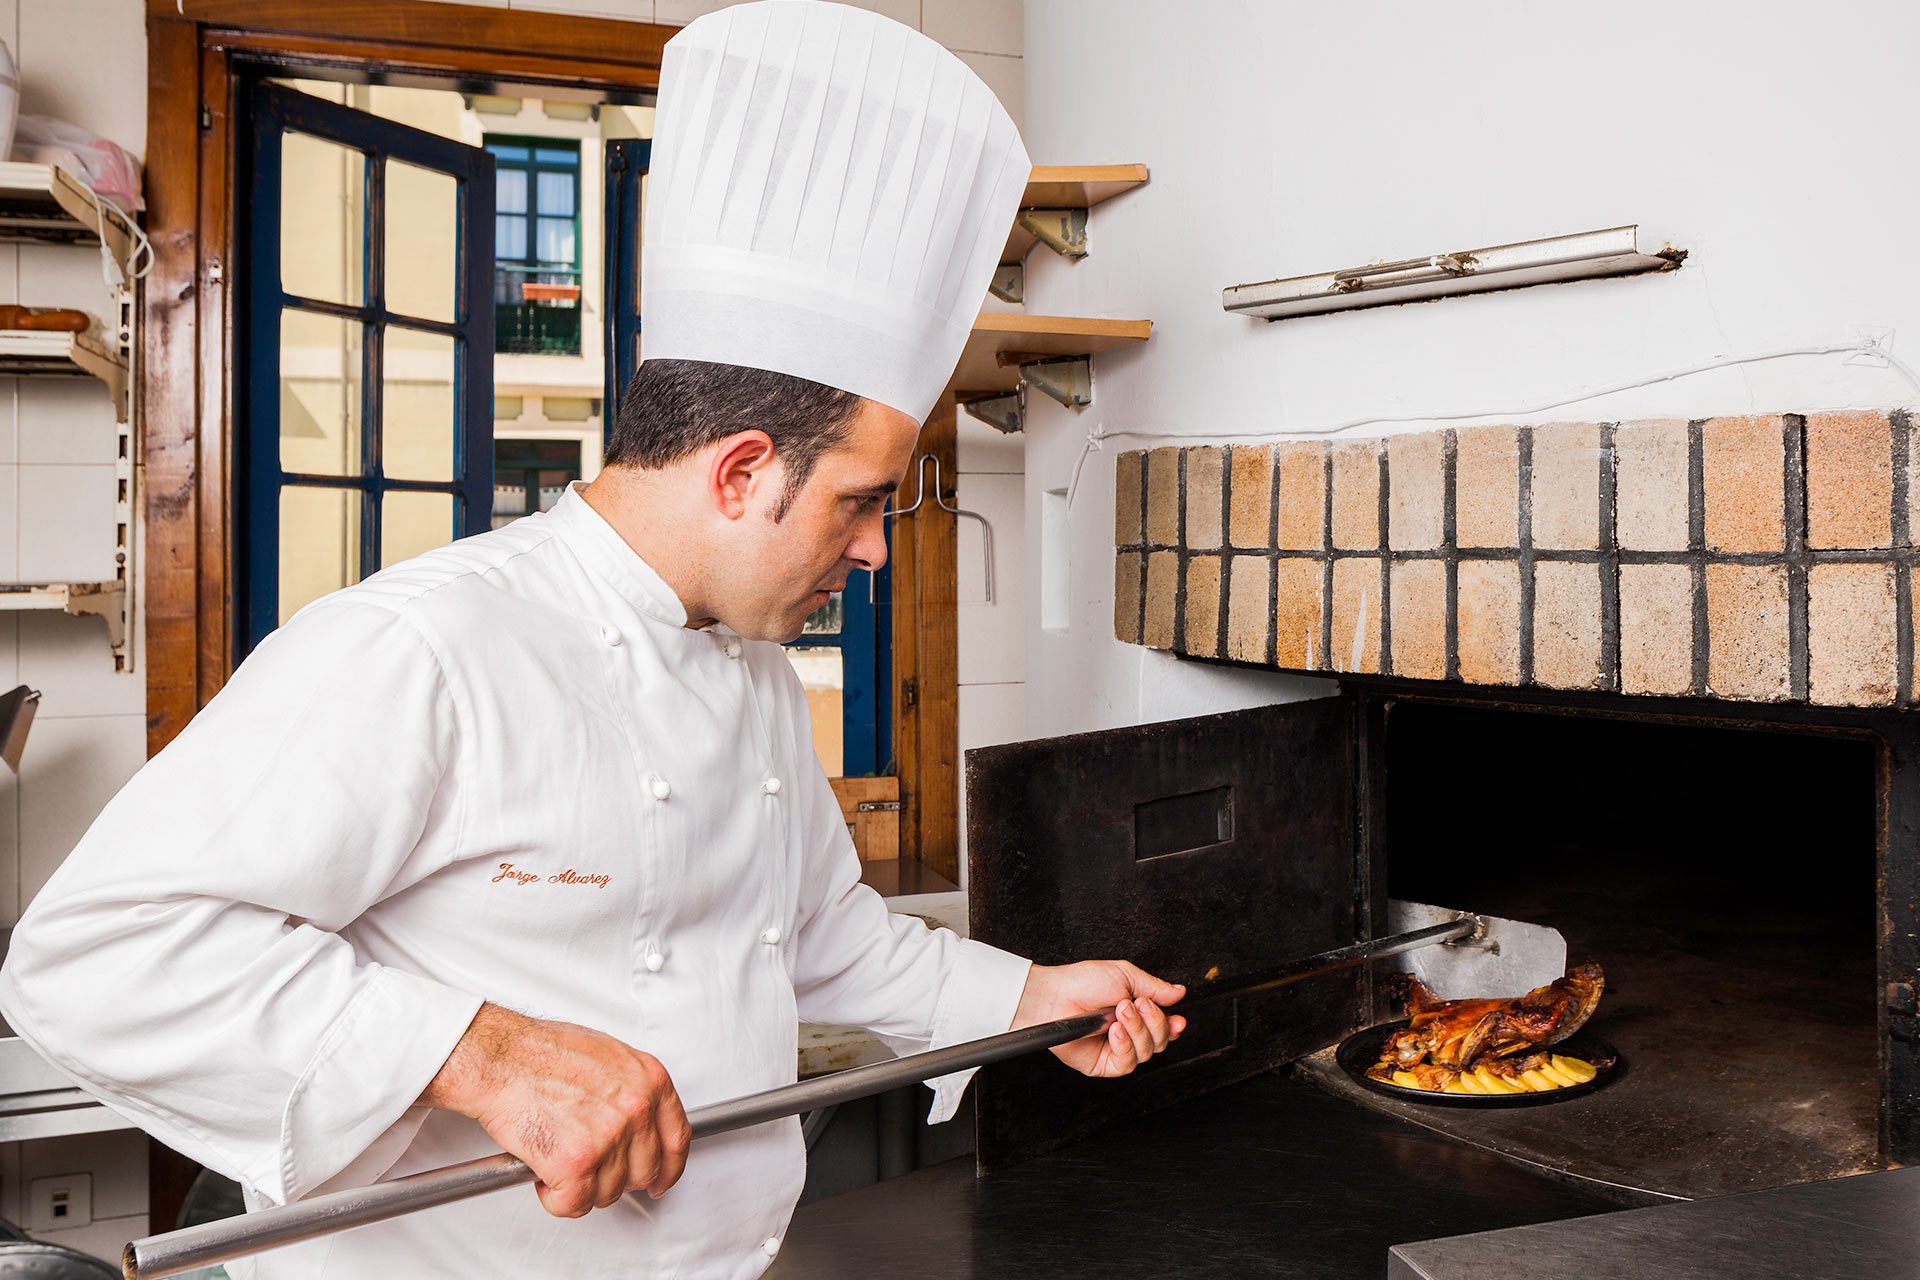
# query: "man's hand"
{"points": [[1141, 1027], [592, 1117]]}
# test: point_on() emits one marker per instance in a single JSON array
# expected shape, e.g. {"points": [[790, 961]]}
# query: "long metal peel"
{"points": [[174, 1252]]}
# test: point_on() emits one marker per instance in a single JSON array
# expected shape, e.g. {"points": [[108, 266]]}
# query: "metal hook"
{"points": [[920, 496]]}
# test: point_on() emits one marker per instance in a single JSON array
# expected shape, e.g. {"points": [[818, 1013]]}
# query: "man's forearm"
{"points": [[471, 1074], [594, 1117]]}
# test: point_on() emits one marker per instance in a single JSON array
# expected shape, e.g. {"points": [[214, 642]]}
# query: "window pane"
{"points": [[510, 191], [413, 523], [322, 219], [531, 475], [510, 238], [823, 677], [422, 236], [554, 155], [417, 424], [828, 619], [319, 544], [509, 503], [319, 394], [553, 487], [556, 194], [507, 151], [556, 240]]}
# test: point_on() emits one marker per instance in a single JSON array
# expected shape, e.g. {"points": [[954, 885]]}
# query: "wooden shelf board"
{"points": [[46, 204], [1080, 186], [30, 353], [1002, 340]]}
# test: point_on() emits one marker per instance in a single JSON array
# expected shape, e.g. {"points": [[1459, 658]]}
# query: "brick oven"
{"points": [[1647, 682]]}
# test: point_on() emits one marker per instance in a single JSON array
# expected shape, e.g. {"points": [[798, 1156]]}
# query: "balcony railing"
{"points": [[536, 310]]}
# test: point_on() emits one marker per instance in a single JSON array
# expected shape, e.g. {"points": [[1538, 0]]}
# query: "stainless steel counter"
{"points": [[1864, 1226], [1271, 1178]]}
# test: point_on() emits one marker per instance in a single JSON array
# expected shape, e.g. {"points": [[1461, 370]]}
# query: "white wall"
{"points": [[1772, 140]]}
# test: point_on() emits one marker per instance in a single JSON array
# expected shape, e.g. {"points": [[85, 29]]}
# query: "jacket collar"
{"points": [[604, 552]]}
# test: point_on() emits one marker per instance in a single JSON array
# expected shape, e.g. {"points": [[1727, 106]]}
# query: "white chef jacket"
{"points": [[503, 771]]}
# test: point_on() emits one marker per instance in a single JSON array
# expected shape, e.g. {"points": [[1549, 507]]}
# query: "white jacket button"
{"points": [[660, 789], [771, 786], [655, 962], [732, 648], [610, 634], [771, 935], [772, 1246]]}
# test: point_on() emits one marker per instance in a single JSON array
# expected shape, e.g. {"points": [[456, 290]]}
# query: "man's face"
{"points": [[785, 568]]}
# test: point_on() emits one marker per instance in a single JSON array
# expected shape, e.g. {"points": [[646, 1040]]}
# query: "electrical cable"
{"points": [[1096, 435]]}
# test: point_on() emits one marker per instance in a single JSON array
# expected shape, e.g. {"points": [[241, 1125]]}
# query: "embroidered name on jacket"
{"points": [[510, 874]]}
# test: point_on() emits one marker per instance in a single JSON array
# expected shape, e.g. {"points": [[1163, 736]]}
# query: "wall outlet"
{"points": [[57, 1203]]}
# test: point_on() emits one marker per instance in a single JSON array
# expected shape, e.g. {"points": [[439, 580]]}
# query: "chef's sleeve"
{"points": [[184, 964], [858, 964]]}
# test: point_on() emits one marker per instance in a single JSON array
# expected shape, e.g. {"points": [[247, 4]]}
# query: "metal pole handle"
{"points": [[174, 1252]]}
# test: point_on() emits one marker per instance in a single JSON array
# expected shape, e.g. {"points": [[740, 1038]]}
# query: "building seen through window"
{"points": [[536, 245]]}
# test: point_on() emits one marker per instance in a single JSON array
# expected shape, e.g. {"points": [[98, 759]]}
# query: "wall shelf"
{"points": [[1053, 212], [105, 600], [36, 1100], [32, 353], [43, 203], [1007, 351]]}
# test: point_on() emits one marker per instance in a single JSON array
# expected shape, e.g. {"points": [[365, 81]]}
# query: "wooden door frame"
{"points": [[187, 338]]}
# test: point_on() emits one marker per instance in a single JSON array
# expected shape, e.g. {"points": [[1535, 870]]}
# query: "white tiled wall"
{"points": [[992, 640], [82, 61]]}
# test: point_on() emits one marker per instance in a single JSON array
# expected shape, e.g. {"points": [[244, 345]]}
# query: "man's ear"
{"points": [[743, 467]]}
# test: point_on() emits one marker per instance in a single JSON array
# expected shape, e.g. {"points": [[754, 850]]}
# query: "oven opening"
{"points": [[1725, 878]]}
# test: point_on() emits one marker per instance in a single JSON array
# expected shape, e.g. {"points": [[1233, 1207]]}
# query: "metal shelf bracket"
{"points": [[1009, 283], [1062, 230], [1006, 413], [1067, 379]]}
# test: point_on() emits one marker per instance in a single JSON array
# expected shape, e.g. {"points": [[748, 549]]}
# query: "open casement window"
{"points": [[368, 352], [536, 245]]}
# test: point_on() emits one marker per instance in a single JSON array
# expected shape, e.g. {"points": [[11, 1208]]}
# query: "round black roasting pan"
{"points": [[1359, 1051]]}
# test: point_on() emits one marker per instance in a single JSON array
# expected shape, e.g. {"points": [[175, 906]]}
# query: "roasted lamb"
{"points": [[1490, 1046]]}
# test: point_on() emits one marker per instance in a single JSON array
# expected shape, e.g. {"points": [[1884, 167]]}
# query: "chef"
{"points": [[523, 843]]}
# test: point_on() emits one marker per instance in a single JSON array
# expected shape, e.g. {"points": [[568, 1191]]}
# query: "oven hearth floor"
{"points": [[1748, 1032], [1268, 1178]]}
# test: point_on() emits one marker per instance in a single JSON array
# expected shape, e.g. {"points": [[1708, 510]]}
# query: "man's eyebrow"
{"points": [[879, 489]]}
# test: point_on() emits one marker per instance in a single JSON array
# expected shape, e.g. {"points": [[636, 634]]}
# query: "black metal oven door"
{"points": [[1222, 842]]}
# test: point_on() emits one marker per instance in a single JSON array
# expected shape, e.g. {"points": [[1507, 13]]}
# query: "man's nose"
{"points": [[869, 546]]}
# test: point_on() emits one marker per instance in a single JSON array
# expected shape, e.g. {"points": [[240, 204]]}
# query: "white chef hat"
{"points": [[830, 191]]}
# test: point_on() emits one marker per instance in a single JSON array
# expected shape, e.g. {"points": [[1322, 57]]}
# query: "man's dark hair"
{"points": [[673, 407]]}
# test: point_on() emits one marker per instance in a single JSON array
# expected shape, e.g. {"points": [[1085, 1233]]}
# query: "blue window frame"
{"points": [[385, 487], [858, 623], [536, 245], [855, 625]]}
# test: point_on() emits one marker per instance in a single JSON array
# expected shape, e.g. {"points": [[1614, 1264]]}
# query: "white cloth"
{"points": [[269, 942], [828, 195]]}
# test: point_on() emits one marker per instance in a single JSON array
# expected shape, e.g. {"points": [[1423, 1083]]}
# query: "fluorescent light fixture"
{"points": [[16, 717], [1585, 256]]}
